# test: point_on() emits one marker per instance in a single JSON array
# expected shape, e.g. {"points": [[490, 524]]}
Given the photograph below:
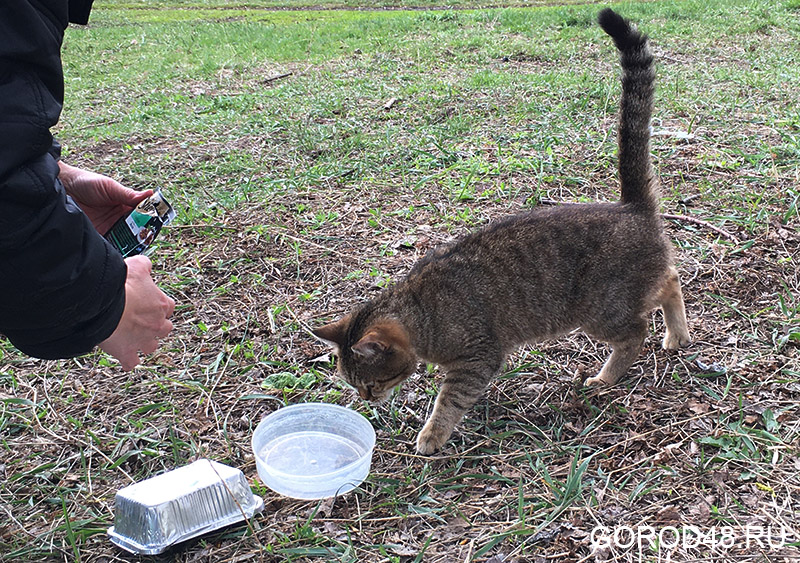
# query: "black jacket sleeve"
{"points": [[62, 287], [79, 11]]}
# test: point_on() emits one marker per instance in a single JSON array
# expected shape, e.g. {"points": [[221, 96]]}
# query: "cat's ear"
{"points": [[333, 334], [381, 339], [371, 345]]}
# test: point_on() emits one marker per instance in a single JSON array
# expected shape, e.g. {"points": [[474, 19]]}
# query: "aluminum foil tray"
{"points": [[179, 505]]}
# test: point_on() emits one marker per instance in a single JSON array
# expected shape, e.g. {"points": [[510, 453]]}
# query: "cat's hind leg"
{"points": [[624, 351], [671, 298], [462, 387], [622, 357]]}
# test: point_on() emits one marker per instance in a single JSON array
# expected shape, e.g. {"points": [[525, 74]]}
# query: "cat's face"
{"points": [[373, 362]]}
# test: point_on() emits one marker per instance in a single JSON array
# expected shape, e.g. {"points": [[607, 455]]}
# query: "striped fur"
{"points": [[532, 276]]}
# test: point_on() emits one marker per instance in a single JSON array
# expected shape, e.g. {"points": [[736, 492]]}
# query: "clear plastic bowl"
{"points": [[313, 450]]}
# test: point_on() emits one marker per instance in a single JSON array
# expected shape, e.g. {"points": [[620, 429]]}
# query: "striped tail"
{"points": [[637, 178]]}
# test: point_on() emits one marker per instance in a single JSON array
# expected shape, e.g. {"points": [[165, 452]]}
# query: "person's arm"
{"points": [[63, 288], [79, 11], [145, 318]]}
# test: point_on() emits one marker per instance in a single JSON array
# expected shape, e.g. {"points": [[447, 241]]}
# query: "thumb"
{"points": [[138, 197]]}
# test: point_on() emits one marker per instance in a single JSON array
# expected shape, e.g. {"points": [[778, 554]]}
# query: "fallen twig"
{"points": [[277, 77], [702, 223], [684, 218]]}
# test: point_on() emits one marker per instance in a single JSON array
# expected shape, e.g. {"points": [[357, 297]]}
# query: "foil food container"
{"points": [[181, 504]]}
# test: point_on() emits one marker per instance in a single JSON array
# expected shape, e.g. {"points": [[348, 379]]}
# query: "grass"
{"points": [[314, 155]]}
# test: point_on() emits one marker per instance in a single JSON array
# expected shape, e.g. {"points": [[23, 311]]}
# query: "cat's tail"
{"points": [[637, 179]]}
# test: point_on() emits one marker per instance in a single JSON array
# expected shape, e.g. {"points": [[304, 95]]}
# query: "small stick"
{"points": [[277, 77], [685, 218], [702, 223]]}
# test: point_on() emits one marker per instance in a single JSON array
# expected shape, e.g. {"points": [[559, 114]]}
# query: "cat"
{"points": [[599, 267]]}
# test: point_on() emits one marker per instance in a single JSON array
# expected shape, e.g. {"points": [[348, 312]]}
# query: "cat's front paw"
{"points": [[675, 340], [430, 440]]}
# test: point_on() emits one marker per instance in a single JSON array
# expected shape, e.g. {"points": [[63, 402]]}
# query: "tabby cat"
{"points": [[532, 276]]}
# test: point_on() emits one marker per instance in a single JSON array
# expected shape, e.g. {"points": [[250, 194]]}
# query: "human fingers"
{"points": [[169, 306], [128, 359], [147, 342], [135, 198], [165, 329], [139, 265], [145, 318], [149, 346]]}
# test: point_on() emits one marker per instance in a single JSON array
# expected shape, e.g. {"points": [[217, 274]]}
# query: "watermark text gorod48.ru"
{"points": [[649, 541]]}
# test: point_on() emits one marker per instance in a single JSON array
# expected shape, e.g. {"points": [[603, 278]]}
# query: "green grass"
{"points": [[198, 84], [314, 155]]}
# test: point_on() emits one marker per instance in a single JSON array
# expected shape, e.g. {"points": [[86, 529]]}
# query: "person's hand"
{"points": [[102, 199], [145, 318]]}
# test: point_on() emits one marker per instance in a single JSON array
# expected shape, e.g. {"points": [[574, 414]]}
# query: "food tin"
{"points": [[181, 504]]}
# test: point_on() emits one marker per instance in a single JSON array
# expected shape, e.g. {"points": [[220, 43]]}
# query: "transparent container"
{"points": [[313, 450], [151, 515]]}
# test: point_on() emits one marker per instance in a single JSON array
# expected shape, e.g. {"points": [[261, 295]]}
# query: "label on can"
{"points": [[134, 233]]}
